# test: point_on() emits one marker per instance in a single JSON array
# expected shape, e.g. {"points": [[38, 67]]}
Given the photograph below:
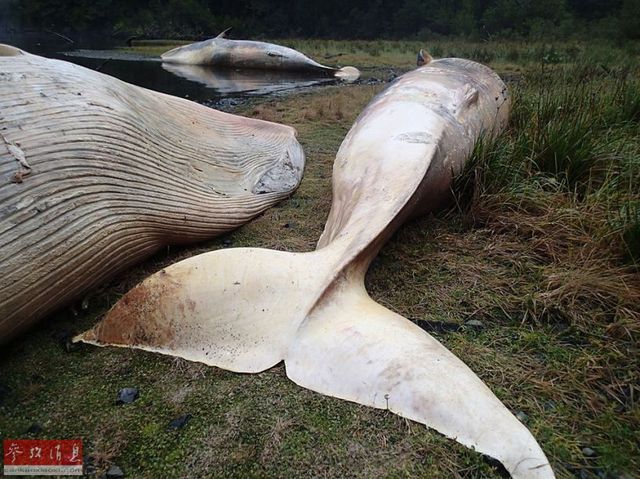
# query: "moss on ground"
{"points": [[539, 260]]}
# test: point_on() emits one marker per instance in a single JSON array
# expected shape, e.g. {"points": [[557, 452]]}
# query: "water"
{"points": [[203, 84]]}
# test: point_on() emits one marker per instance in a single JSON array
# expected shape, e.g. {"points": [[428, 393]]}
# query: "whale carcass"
{"points": [[248, 309], [247, 54], [97, 174]]}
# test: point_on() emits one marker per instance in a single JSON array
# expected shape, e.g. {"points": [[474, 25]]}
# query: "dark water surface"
{"points": [[203, 84]]}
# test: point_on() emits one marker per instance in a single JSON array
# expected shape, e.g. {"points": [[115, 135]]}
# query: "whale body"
{"points": [[248, 309], [97, 174], [248, 54]]}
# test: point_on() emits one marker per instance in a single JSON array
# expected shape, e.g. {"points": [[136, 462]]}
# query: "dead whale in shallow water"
{"points": [[97, 174], [247, 54], [248, 309]]}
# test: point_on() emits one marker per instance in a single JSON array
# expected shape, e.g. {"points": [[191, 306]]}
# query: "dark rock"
{"points": [[437, 326], [64, 338], [179, 422], [88, 465], [114, 471], [370, 81], [224, 104], [588, 452], [127, 395], [35, 428]]}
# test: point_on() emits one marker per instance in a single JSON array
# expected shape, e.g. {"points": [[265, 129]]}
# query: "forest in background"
{"points": [[338, 19]]}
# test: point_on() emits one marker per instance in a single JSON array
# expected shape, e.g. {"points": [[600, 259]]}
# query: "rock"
{"points": [[224, 104], [438, 326], [588, 452], [179, 422], [35, 428], [88, 465], [127, 395], [522, 416], [115, 471], [64, 339], [474, 323]]}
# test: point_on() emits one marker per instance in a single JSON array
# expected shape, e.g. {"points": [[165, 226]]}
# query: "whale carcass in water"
{"points": [[247, 54], [248, 309], [97, 174]]}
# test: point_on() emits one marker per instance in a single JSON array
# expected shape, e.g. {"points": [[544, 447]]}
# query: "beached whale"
{"points": [[248, 309], [246, 54], [97, 174]]}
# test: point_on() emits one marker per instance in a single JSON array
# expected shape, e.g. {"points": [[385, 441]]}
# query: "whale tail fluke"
{"points": [[247, 309], [348, 74]]}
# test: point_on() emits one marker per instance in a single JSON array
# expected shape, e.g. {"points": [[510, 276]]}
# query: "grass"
{"points": [[507, 56], [541, 245]]}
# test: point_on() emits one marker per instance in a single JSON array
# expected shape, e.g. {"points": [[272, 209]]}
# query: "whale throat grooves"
{"points": [[97, 174]]}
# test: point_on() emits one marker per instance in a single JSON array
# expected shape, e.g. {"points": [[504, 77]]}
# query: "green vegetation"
{"points": [[542, 246], [507, 56], [421, 19]]}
